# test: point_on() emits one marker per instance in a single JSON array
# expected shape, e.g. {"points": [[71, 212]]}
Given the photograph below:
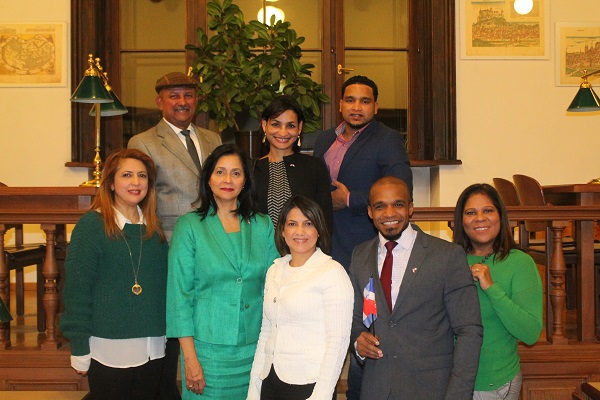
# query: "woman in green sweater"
{"points": [[509, 287], [115, 287]]}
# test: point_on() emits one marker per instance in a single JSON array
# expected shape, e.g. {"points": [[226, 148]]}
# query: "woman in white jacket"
{"points": [[307, 312]]}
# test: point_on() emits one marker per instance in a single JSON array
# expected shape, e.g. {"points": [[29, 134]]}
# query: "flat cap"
{"points": [[175, 79]]}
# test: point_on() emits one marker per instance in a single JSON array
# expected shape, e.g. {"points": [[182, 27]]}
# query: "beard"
{"points": [[357, 126], [393, 235]]}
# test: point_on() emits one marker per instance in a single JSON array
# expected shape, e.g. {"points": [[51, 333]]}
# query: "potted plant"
{"points": [[243, 66]]}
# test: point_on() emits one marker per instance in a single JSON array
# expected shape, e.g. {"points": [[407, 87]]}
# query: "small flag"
{"points": [[369, 305]]}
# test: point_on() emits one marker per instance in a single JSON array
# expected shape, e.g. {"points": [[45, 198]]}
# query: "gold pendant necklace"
{"points": [[136, 288]]}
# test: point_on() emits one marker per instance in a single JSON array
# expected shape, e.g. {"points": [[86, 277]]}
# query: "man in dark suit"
{"points": [[177, 173], [428, 333], [357, 153]]}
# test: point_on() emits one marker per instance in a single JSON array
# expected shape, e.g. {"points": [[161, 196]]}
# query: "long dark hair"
{"points": [[504, 242], [313, 212], [247, 205]]}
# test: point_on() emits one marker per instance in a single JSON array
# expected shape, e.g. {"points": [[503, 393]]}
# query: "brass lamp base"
{"points": [[97, 172], [91, 183], [595, 181]]}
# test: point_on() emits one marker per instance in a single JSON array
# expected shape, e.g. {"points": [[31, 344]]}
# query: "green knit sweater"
{"points": [[511, 310], [99, 276]]}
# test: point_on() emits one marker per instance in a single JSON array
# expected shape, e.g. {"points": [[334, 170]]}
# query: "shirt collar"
{"points": [[405, 240], [341, 127], [122, 220], [178, 130]]}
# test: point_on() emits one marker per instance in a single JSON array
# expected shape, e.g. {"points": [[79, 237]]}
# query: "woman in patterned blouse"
{"points": [[284, 172]]}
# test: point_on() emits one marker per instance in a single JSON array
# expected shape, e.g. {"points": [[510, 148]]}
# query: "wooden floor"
{"points": [[23, 331], [43, 395]]}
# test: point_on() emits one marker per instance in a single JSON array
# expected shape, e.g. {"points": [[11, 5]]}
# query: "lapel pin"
{"points": [[292, 165], [414, 270]]}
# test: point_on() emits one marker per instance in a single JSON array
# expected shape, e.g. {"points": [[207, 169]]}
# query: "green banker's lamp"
{"points": [[586, 100], [94, 89]]}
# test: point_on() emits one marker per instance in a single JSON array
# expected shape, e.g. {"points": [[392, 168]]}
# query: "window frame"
{"points": [[432, 75]]}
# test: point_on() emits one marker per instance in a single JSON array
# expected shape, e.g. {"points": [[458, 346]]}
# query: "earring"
{"points": [[299, 144], [264, 139]]}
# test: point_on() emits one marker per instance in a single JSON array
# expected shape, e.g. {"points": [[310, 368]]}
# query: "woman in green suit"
{"points": [[217, 265]]}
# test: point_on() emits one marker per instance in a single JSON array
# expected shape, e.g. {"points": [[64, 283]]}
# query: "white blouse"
{"points": [[307, 317]]}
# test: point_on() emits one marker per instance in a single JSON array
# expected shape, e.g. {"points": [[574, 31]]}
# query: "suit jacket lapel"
{"points": [[355, 147], [415, 261], [204, 144], [372, 261], [246, 232], [220, 236], [172, 143]]}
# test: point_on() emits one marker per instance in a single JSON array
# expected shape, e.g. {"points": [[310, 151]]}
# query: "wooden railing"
{"points": [[558, 218]]}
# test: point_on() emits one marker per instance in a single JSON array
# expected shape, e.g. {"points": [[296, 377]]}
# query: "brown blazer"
{"points": [[177, 177]]}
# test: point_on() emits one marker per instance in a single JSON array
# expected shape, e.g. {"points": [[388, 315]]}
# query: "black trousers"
{"points": [[355, 373], [274, 388], [168, 379], [135, 383]]}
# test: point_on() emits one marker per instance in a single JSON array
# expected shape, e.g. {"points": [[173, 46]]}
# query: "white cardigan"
{"points": [[306, 325]]}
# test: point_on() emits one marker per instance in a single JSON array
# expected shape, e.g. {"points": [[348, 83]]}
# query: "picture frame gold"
{"points": [[492, 29], [577, 49], [33, 54]]}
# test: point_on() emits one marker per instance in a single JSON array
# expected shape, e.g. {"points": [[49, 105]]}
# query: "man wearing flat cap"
{"points": [[178, 149], [169, 144]]}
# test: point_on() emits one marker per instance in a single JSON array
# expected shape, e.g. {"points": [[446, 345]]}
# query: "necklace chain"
{"points": [[136, 288], [485, 258]]}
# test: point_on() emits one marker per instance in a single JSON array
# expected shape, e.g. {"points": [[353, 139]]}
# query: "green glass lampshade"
{"points": [[110, 109], [91, 90], [585, 100]]}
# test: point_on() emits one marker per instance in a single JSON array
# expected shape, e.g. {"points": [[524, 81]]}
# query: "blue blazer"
{"points": [[379, 151], [208, 288]]}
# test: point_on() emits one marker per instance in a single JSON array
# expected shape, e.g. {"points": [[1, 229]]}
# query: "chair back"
{"points": [[530, 193], [507, 191]]}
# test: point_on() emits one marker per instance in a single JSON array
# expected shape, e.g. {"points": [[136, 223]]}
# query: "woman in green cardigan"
{"points": [[115, 291], [509, 288], [217, 265]]}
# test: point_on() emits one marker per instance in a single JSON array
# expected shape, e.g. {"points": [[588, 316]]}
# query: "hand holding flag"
{"points": [[369, 304]]}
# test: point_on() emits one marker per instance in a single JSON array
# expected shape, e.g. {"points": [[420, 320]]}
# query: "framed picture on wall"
{"points": [[33, 54], [492, 29], [577, 50]]}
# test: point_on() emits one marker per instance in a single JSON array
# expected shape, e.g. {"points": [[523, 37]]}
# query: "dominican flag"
{"points": [[369, 305]]}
